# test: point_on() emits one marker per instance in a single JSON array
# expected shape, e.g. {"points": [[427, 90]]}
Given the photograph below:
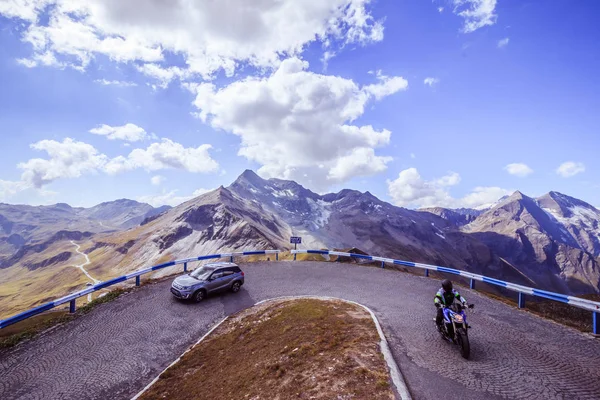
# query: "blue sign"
{"points": [[296, 240]]}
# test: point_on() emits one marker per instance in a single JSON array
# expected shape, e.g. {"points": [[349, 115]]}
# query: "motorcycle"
{"points": [[455, 328]]}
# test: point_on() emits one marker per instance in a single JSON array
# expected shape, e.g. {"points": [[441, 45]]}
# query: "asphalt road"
{"points": [[120, 346]]}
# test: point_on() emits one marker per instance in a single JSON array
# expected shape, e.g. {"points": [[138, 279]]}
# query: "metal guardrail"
{"points": [[522, 290], [589, 305], [73, 296]]}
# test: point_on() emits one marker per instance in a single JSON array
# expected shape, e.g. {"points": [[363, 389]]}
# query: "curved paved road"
{"points": [[118, 348]]}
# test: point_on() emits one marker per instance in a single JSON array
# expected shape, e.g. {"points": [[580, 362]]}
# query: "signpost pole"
{"points": [[295, 240]]}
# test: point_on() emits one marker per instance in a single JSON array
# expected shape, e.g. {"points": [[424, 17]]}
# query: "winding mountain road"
{"points": [[120, 346], [87, 262]]}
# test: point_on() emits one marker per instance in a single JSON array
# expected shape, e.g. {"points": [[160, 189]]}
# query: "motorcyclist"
{"points": [[444, 298]]}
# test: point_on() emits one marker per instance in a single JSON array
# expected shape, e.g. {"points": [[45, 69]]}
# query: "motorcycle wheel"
{"points": [[463, 342]]}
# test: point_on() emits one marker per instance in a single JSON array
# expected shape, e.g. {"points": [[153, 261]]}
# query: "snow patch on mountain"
{"points": [[321, 211]]}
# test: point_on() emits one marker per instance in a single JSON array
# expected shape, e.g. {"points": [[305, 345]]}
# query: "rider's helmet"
{"points": [[447, 285]]}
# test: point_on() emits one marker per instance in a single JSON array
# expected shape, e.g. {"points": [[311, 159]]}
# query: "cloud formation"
{"points": [[165, 155], [411, 190], [72, 159], [518, 169], [476, 13], [66, 159], [570, 168], [127, 132], [430, 81], [209, 36], [503, 42], [299, 125]]}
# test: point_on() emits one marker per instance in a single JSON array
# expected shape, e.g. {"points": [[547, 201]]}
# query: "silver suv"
{"points": [[207, 279]]}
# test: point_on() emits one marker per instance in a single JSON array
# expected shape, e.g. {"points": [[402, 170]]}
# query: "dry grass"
{"points": [[303, 349]]}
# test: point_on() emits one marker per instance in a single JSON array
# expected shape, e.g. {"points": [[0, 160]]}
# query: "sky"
{"points": [[450, 103]]}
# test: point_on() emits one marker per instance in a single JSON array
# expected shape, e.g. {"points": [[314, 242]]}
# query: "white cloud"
{"points": [[519, 169], [162, 75], [440, 9], [503, 42], [127, 132], [386, 86], [360, 162], [431, 81], [157, 180], [10, 188], [298, 124], [206, 34], [570, 168], [67, 159], [164, 155], [476, 13], [410, 190], [105, 82], [413, 156], [170, 198]]}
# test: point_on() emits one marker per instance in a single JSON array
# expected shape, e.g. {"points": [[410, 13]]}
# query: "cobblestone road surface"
{"points": [[114, 351]]}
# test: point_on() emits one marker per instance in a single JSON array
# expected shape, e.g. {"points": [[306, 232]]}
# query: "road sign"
{"points": [[296, 240]]}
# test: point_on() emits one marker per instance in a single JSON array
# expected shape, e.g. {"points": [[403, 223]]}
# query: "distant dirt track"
{"points": [[120, 346]]}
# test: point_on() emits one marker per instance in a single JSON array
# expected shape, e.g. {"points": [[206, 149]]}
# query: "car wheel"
{"points": [[235, 287], [199, 296]]}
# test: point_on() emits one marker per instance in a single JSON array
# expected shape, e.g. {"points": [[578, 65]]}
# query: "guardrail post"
{"points": [[185, 267], [596, 323], [472, 283], [230, 258], [383, 264], [294, 256], [427, 273], [276, 256], [137, 280], [72, 306], [521, 300]]}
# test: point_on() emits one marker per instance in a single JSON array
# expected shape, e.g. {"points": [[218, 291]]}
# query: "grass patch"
{"points": [[305, 349]]}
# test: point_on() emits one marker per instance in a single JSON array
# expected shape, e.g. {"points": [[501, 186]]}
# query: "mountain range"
{"points": [[551, 242]]}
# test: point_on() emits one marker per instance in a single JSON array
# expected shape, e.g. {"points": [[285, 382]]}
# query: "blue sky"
{"points": [[511, 100]]}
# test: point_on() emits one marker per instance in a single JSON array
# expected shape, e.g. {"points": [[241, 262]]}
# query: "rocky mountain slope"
{"points": [[458, 217], [553, 239], [551, 242]]}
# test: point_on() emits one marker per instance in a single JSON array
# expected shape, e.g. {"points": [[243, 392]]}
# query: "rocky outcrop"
{"points": [[552, 239]]}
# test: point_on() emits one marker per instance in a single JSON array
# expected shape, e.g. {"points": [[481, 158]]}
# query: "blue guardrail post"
{"points": [[137, 280], [521, 300], [472, 283], [427, 272], [294, 256], [185, 267], [72, 306], [596, 323], [276, 256], [231, 259], [383, 264]]}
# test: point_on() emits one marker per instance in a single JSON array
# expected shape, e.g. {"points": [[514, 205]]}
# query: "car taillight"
{"points": [[242, 273]]}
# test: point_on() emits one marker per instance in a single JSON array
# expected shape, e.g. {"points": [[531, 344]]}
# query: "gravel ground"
{"points": [[119, 347]]}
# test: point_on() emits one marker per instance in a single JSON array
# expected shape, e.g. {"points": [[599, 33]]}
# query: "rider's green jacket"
{"points": [[447, 298]]}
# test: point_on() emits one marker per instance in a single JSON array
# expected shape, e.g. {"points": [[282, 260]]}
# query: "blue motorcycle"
{"points": [[455, 328]]}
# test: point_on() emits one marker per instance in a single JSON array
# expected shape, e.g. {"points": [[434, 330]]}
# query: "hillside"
{"points": [[552, 239], [551, 242]]}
